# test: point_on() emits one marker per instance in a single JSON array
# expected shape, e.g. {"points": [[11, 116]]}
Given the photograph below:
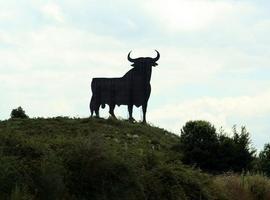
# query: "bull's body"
{"points": [[132, 89]]}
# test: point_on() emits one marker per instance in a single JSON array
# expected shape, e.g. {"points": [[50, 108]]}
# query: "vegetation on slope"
{"points": [[63, 158]]}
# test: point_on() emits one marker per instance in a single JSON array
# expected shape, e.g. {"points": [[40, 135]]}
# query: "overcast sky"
{"points": [[214, 65]]}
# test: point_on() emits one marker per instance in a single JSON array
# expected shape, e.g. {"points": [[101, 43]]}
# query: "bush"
{"points": [[18, 113], [175, 182], [199, 144], [95, 173], [9, 174]]}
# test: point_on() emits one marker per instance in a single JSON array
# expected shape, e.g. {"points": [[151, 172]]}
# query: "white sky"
{"points": [[214, 61]]}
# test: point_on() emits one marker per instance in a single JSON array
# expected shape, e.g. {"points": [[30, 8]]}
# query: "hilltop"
{"points": [[64, 158], [113, 135]]}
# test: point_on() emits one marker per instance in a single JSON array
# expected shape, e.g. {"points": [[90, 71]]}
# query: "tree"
{"points": [[18, 113], [244, 154], [199, 144], [264, 159], [235, 153], [202, 147], [225, 153]]}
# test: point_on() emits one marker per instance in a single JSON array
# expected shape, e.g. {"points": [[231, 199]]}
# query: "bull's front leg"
{"points": [[130, 110], [144, 108], [111, 111]]}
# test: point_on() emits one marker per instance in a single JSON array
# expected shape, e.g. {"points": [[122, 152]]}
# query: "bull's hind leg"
{"points": [[130, 111], [96, 109], [111, 111], [91, 106], [97, 112]]}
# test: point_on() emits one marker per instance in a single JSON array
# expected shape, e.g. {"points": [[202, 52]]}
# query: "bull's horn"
{"points": [[129, 58], [158, 56]]}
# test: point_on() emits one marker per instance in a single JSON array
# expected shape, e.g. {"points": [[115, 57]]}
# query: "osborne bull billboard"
{"points": [[132, 89]]}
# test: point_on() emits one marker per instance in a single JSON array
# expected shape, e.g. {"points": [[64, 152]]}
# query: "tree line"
{"points": [[216, 152]]}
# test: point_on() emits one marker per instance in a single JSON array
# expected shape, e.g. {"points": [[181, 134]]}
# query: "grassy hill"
{"points": [[63, 158]]}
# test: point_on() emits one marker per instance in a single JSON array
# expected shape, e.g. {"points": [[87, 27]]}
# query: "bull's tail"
{"points": [[92, 101]]}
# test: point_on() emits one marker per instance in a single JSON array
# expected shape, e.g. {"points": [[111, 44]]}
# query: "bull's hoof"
{"points": [[112, 117], [131, 119]]}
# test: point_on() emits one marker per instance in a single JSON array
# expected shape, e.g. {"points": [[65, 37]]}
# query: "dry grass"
{"points": [[242, 187]]}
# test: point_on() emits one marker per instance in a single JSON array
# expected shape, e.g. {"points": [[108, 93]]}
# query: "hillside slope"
{"points": [[113, 135], [63, 158]]}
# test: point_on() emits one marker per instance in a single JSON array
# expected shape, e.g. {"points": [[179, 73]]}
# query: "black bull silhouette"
{"points": [[132, 89]]}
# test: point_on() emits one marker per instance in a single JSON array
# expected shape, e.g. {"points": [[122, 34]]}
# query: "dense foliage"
{"points": [[264, 160], [199, 144], [18, 113], [203, 147]]}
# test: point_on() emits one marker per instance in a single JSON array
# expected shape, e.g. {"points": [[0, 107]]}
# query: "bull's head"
{"points": [[144, 61]]}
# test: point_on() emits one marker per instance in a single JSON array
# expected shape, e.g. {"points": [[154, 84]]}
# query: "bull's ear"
{"points": [[133, 65], [155, 64]]}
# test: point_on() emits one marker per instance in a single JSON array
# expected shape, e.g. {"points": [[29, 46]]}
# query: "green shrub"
{"points": [[92, 172], [9, 174], [18, 113], [199, 144], [175, 182], [48, 179]]}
